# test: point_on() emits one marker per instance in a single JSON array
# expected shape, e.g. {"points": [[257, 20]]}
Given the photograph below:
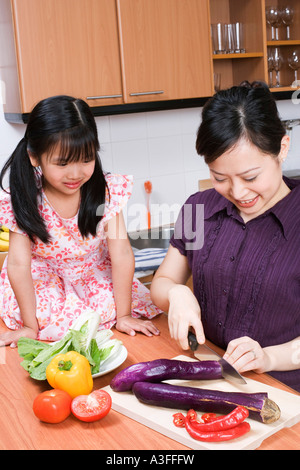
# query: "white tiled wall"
{"points": [[158, 146]]}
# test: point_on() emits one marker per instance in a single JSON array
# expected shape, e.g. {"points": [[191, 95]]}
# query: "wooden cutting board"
{"points": [[161, 419]]}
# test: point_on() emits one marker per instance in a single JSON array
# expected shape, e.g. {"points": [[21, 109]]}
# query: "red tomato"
{"points": [[52, 406], [91, 407]]}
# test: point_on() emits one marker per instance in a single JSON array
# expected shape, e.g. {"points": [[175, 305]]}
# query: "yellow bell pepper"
{"points": [[70, 372]]}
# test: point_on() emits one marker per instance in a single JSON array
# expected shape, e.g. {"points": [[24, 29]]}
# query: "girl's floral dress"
{"points": [[71, 275]]}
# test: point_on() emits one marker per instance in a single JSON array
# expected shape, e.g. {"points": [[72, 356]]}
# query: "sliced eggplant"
{"points": [[165, 369], [260, 407]]}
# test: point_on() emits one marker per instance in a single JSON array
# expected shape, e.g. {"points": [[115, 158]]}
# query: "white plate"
{"points": [[111, 365]]}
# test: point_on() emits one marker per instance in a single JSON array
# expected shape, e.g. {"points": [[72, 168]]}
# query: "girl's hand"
{"points": [[184, 312], [128, 324], [246, 354], [10, 338]]}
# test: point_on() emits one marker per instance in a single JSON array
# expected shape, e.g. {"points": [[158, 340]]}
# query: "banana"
{"points": [[5, 229], [4, 245], [4, 236]]}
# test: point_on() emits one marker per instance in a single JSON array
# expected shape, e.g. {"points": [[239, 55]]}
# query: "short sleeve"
{"points": [[189, 227], [7, 217], [117, 195], [177, 239]]}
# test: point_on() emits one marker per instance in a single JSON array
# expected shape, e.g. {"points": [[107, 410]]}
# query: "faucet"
{"points": [[289, 124]]}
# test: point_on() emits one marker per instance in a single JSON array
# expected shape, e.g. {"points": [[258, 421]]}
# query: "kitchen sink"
{"points": [[156, 237]]}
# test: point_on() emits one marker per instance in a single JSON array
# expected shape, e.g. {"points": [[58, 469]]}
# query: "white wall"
{"points": [[159, 146]]}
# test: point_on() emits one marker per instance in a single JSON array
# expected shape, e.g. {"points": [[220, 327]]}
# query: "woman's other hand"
{"points": [[245, 354]]}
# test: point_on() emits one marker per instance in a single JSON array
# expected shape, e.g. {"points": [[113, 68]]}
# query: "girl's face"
{"points": [[63, 178], [249, 178]]}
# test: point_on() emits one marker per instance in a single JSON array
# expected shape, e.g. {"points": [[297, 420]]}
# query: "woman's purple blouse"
{"points": [[246, 276]]}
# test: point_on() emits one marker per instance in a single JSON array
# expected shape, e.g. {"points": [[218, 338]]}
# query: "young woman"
{"points": [[68, 251], [246, 273]]}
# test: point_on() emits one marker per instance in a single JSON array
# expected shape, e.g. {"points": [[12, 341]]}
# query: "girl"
{"points": [[246, 273], [68, 251]]}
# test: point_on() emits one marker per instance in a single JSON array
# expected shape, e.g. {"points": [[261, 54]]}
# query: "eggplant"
{"points": [[260, 407], [165, 369]]}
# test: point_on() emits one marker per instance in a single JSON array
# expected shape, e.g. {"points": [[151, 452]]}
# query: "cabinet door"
{"points": [[165, 49], [67, 47]]}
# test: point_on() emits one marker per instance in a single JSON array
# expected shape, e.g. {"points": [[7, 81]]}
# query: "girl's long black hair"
{"points": [[60, 122]]}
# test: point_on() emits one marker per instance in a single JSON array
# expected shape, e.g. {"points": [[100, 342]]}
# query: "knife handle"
{"points": [[193, 343]]}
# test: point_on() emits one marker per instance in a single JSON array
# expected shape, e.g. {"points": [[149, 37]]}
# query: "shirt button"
{"points": [[225, 291], [232, 258], [244, 227], [219, 323]]}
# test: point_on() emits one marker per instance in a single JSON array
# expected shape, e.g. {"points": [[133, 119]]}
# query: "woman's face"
{"points": [[249, 178]]}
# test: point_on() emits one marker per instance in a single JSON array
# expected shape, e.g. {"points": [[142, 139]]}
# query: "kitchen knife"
{"points": [[228, 371]]}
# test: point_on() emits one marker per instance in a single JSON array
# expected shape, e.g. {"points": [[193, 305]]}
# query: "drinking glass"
{"points": [[217, 81], [218, 32], [273, 17], [238, 31], [294, 63], [287, 15], [270, 66], [230, 38], [277, 62]]}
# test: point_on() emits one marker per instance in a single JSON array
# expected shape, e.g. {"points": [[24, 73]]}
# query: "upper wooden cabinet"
{"points": [[66, 47], [106, 52], [165, 49], [130, 52]]}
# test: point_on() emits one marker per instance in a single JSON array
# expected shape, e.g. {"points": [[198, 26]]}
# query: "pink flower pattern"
{"points": [[71, 275]]}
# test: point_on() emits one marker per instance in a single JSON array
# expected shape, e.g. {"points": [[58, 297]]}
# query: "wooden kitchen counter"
{"points": [[21, 430]]}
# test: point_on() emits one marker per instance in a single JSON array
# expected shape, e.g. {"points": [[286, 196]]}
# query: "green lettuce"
{"points": [[83, 337]]}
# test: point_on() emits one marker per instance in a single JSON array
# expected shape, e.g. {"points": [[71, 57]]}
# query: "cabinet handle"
{"points": [[147, 93], [103, 97]]}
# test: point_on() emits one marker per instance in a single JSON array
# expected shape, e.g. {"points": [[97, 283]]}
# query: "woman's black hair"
{"points": [[60, 122], [247, 111]]}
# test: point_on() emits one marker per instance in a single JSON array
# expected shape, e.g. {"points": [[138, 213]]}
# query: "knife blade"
{"points": [[228, 371]]}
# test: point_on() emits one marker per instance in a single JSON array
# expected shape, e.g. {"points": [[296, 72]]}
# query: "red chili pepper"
{"points": [[215, 436], [237, 416], [208, 417], [179, 420]]}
